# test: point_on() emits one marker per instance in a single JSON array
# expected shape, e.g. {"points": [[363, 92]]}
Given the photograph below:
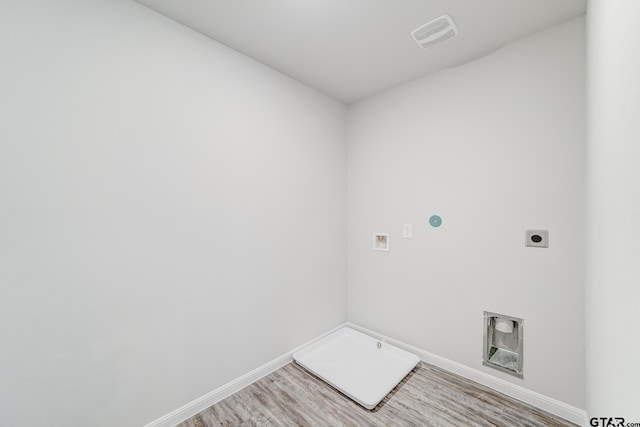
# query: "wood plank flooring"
{"points": [[428, 396]]}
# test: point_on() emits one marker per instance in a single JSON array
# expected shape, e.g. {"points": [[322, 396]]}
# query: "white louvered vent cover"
{"points": [[439, 29]]}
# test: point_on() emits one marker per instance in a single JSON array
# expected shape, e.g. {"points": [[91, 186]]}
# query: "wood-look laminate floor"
{"points": [[428, 396]]}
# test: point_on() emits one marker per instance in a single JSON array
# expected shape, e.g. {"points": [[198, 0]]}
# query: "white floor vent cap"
{"points": [[439, 29]]}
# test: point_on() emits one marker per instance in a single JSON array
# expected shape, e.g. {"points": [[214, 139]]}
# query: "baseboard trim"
{"points": [[553, 406], [203, 402]]}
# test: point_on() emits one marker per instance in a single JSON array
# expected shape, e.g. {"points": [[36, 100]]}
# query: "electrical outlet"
{"points": [[537, 238]]}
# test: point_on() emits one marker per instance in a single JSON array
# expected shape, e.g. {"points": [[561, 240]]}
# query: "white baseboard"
{"points": [[553, 406], [561, 409], [215, 396]]}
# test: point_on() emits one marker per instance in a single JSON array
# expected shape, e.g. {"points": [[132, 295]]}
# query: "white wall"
{"points": [[613, 230], [494, 147], [172, 214]]}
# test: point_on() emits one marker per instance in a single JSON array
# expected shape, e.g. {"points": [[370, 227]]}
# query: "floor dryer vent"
{"points": [[439, 29]]}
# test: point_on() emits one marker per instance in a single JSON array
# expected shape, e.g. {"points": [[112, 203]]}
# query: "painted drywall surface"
{"points": [[172, 214], [494, 147], [613, 226]]}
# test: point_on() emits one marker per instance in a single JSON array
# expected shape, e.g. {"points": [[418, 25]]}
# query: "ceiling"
{"points": [[352, 49]]}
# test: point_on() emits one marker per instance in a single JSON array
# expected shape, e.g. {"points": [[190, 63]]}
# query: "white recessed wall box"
{"points": [[381, 242]]}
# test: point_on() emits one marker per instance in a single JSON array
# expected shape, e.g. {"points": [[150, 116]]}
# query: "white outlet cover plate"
{"points": [[529, 239]]}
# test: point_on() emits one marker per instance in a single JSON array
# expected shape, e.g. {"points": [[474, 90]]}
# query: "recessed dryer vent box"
{"points": [[536, 238], [381, 242], [503, 343]]}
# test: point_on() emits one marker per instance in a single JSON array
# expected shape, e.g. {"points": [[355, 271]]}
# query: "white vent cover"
{"points": [[434, 31]]}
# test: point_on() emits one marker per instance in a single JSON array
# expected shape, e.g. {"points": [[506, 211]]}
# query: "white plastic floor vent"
{"points": [[439, 29]]}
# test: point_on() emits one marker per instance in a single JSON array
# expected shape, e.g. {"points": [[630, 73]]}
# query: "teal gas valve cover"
{"points": [[435, 221]]}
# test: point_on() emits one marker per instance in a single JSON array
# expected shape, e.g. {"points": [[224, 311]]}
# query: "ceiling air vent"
{"points": [[439, 29]]}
